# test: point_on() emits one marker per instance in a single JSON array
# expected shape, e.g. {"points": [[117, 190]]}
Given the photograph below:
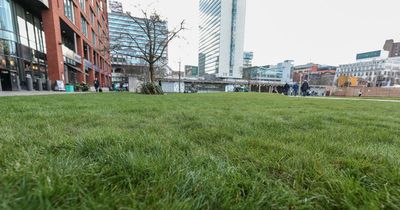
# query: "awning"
{"points": [[73, 67]]}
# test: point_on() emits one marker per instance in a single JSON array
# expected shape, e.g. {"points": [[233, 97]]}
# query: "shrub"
{"points": [[77, 87], [84, 87], [151, 89]]}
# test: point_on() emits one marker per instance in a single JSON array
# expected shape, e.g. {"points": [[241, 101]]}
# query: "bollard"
{"points": [[48, 84], [1, 89], [29, 83], [39, 84], [18, 84]]}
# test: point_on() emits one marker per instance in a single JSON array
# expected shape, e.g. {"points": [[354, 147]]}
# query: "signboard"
{"points": [[68, 53], [77, 58], [373, 54], [71, 54], [60, 85], [25, 52], [40, 55], [96, 68], [88, 64]]}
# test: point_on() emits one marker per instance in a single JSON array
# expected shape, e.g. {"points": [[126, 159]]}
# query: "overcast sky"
{"points": [[320, 31]]}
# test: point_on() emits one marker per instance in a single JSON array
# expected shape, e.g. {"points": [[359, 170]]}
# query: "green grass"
{"points": [[200, 151]]}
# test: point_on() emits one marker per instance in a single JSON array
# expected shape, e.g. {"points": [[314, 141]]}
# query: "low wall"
{"points": [[367, 92]]}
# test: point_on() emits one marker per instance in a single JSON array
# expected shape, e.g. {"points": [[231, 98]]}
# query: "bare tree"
{"points": [[156, 36]]}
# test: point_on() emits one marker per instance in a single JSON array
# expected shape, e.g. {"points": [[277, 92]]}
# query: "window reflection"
{"points": [[6, 22]]}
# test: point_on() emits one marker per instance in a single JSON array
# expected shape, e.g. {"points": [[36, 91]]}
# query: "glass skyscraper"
{"points": [[128, 41], [222, 24], [22, 43]]}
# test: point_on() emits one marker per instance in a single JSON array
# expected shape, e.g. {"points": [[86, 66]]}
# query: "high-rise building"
{"points": [[393, 48], [191, 71], [248, 59], [116, 6], [222, 25], [53, 40], [128, 40]]}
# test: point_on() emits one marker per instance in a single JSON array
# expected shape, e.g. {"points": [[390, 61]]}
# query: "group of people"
{"points": [[294, 90], [120, 87]]}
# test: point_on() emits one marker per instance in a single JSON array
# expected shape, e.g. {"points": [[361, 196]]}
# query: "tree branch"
{"points": [[156, 35]]}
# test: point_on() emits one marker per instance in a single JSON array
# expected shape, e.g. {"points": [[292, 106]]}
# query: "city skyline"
{"points": [[331, 32]]}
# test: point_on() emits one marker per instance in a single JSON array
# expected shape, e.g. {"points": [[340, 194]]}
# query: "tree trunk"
{"points": [[151, 71]]}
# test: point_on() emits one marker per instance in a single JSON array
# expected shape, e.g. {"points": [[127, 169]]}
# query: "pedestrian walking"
{"points": [[96, 85], [304, 88], [286, 89], [295, 89]]}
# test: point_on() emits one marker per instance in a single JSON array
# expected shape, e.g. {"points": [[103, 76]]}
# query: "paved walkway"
{"points": [[353, 99], [35, 93]]}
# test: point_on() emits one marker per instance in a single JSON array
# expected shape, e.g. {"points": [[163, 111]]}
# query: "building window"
{"points": [[91, 17], [93, 39], [82, 3], [6, 22], [69, 10], [98, 28], [23, 33], [98, 9], [84, 26], [31, 31]]}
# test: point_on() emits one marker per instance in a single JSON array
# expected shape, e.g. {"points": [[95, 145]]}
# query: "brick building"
{"points": [[301, 72], [77, 41], [53, 40], [315, 74]]}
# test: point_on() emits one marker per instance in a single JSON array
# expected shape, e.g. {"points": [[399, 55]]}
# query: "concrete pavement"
{"points": [[35, 93], [352, 99]]}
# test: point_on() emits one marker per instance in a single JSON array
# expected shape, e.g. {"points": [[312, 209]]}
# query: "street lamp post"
{"points": [[301, 80], [259, 81], [179, 76]]}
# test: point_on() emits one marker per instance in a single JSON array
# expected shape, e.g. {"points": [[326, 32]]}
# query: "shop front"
{"points": [[97, 73], [8, 66], [9, 80], [39, 70], [22, 49], [88, 70], [72, 62], [8, 73], [32, 64]]}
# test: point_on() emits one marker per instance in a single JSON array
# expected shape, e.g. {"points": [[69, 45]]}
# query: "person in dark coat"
{"points": [[295, 89], [304, 88], [286, 89], [96, 84]]}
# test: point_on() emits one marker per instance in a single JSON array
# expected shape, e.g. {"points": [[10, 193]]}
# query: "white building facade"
{"points": [[222, 25], [373, 71], [272, 73]]}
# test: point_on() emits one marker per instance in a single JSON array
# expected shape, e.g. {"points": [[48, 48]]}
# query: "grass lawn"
{"points": [[200, 151]]}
